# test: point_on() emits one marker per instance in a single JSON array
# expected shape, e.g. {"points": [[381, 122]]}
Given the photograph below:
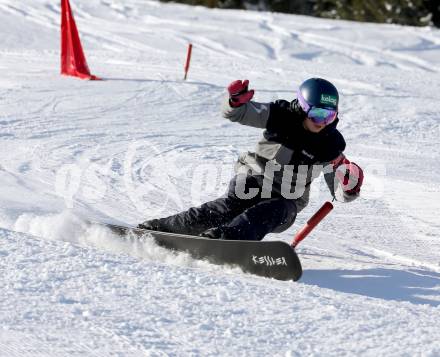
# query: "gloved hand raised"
{"points": [[239, 93], [350, 175]]}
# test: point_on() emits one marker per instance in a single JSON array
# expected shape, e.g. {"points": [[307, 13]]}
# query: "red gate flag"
{"points": [[73, 61]]}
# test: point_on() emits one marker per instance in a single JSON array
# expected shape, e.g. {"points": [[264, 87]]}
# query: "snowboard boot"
{"points": [[151, 225], [213, 233]]}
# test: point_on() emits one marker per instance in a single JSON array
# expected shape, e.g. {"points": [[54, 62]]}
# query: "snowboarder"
{"points": [[300, 141]]}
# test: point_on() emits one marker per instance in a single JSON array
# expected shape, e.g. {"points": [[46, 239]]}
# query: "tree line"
{"points": [[403, 12]]}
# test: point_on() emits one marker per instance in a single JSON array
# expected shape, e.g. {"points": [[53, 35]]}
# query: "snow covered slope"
{"points": [[143, 143]]}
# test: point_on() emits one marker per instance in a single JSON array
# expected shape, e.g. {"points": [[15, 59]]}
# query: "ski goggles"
{"points": [[316, 114]]}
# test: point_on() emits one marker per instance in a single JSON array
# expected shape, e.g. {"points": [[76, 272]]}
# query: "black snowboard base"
{"points": [[271, 259]]}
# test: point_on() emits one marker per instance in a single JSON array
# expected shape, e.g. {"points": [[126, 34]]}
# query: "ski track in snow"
{"points": [[130, 148]]}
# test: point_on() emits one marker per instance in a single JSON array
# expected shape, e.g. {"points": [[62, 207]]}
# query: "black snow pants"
{"points": [[239, 219]]}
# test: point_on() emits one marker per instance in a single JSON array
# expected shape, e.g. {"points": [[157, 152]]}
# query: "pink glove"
{"points": [[239, 93], [349, 174]]}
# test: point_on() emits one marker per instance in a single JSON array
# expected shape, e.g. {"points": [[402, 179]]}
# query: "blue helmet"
{"points": [[318, 92]]}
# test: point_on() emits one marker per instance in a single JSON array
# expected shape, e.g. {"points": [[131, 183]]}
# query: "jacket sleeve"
{"points": [[251, 114], [338, 145]]}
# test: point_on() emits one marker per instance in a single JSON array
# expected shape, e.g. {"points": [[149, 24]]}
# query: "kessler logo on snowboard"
{"points": [[269, 261]]}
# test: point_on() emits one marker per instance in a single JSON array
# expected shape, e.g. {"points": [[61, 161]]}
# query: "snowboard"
{"points": [[270, 259]]}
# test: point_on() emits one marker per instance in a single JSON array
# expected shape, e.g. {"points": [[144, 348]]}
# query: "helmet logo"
{"points": [[329, 99]]}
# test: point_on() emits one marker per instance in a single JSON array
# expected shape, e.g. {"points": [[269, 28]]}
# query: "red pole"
{"points": [[188, 60], [312, 223]]}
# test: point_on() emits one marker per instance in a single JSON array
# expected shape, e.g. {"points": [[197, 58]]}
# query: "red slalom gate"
{"points": [[312, 223], [73, 61], [188, 60]]}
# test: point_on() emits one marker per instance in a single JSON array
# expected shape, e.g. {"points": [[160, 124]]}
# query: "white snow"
{"points": [[143, 144]]}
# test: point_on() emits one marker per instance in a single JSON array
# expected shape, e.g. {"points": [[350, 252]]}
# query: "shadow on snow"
{"points": [[415, 286]]}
